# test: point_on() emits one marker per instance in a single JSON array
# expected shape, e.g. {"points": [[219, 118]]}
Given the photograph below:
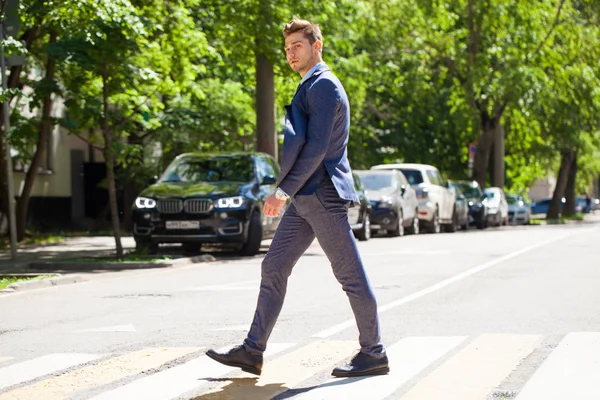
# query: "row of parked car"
{"points": [[414, 197], [217, 198]]}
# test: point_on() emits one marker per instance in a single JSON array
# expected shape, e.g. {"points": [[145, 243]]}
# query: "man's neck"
{"points": [[302, 73]]}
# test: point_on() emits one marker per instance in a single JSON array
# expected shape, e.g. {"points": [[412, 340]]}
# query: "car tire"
{"points": [[364, 233], [453, 226], [254, 237], [399, 230], [413, 229], [146, 246], [434, 225]]}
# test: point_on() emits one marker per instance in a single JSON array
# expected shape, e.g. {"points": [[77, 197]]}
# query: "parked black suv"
{"points": [[208, 198]]}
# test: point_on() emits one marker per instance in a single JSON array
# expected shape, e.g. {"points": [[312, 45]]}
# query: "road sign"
{"points": [[472, 148]]}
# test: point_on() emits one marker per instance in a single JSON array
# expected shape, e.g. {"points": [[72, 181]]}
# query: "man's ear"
{"points": [[318, 45]]}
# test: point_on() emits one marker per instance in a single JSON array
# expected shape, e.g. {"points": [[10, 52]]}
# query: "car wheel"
{"points": [[399, 231], [364, 233], [254, 238], [434, 225], [414, 227], [453, 226], [146, 246]]}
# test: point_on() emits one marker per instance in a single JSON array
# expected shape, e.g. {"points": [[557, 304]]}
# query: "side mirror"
{"points": [[269, 180], [461, 197], [153, 180], [403, 189]]}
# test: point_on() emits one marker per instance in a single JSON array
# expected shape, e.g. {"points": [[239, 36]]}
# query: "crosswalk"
{"points": [[421, 368]]}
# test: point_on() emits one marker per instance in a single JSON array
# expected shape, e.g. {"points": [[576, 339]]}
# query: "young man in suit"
{"points": [[315, 174]]}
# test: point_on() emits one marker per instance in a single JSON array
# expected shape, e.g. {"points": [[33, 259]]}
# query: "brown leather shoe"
{"points": [[363, 364], [238, 357]]}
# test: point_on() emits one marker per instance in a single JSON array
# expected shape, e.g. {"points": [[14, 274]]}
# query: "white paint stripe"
{"points": [[571, 371], [440, 285], [407, 358], [2, 359], [473, 372], [178, 380], [64, 386], [244, 285], [116, 328], [32, 369]]}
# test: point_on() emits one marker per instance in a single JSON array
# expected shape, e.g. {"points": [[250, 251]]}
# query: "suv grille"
{"points": [[198, 206], [169, 206]]}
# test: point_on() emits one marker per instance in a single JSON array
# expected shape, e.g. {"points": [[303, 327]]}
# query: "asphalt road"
{"points": [[507, 313]]}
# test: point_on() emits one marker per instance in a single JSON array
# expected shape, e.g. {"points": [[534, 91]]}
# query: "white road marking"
{"points": [[473, 372], [571, 371], [440, 285], [66, 385], [116, 328], [178, 380], [407, 358], [32, 369], [244, 285]]}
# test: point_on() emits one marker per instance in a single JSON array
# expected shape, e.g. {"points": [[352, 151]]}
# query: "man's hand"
{"points": [[272, 206]]}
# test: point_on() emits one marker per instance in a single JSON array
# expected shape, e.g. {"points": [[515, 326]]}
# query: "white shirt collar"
{"points": [[312, 71]]}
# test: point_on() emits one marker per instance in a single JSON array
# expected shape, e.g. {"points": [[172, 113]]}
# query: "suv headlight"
{"points": [[145, 202], [230, 202], [422, 193]]}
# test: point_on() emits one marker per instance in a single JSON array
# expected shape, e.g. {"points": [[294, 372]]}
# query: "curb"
{"points": [[57, 280], [65, 265]]}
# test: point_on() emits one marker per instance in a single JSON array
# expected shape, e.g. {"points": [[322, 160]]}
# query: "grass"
{"points": [[560, 220], [32, 240], [5, 281]]}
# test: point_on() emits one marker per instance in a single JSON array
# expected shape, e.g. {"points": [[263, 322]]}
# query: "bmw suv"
{"points": [[208, 198]]}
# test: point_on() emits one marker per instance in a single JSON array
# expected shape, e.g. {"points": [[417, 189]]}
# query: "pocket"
{"points": [[329, 198]]}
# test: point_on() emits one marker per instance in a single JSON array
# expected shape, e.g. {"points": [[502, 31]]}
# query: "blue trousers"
{"points": [[324, 215]]}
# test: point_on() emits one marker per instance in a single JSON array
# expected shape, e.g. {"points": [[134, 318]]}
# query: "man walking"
{"points": [[315, 174]]}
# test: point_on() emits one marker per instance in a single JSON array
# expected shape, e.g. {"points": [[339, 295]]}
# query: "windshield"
{"points": [[413, 176], [470, 191], [511, 199], [238, 168], [376, 181]]}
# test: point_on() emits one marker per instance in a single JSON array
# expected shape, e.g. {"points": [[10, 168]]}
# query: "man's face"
{"points": [[301, 55]]}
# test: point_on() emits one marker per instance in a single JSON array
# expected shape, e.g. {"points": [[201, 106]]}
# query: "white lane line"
{"points": [[407, 358], [32, 369], [440, 285], [244, 285], [473, 372], [116, 328], [178, 380], [112, 370], [571, 371]]}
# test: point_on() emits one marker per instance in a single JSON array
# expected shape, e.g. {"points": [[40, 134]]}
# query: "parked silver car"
{"points": [[436, 201], [394, 203], [497, 206], [518, 209]]}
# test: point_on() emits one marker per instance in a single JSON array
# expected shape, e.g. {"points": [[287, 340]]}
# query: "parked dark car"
{"points": [[541, 206], [461, 215], [394, 202], [208, 198], [478, 212], [359, 216]]}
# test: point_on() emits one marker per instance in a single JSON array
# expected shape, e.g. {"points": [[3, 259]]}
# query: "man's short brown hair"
{"points": [[311, 31]]}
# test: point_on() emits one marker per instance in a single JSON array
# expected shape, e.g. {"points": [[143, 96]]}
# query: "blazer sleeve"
{"points": [[323, 99]]}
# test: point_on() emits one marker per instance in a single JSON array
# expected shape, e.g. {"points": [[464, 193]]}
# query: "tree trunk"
{"points": [[110, 167], [570, 195], [265, 106], [561, 184], [14, 81], [484, 147], [498, 175], [40, 150]]}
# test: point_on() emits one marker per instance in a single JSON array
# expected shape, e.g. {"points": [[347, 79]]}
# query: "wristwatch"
{"points": [[281, 195]]}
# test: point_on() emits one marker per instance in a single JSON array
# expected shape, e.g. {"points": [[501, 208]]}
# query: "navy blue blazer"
{"points": [[317, 124]]}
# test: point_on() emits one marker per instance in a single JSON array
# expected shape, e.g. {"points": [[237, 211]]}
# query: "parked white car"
{"points": [[518, 210], [436, 201], [497, 206]]}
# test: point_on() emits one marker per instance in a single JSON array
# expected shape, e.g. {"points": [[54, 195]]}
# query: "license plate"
{"points": [[183, 224]]}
